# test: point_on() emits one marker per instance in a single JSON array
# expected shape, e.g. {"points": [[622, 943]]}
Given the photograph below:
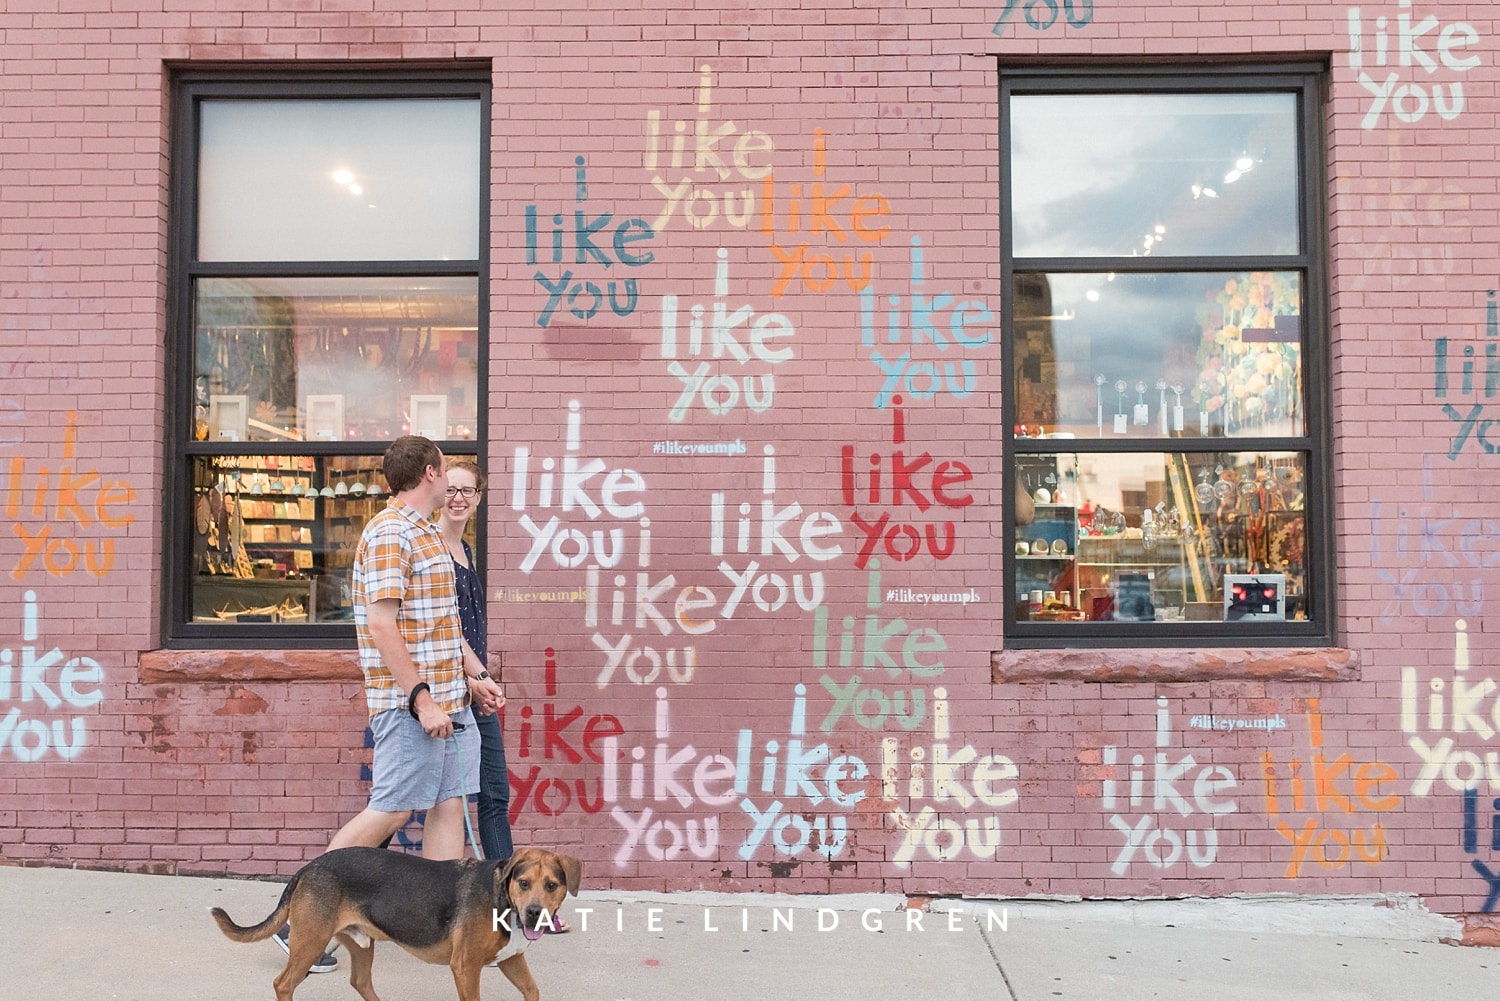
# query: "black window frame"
{"points": [[1308, 80], [190, 86]]}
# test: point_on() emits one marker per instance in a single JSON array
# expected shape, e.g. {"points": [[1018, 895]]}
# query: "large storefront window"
{"points": [[328, 297], [1167, 479]]}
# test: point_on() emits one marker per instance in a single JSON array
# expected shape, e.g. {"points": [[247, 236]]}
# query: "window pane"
{"points": [[1164, 536], [339, 180], [273, 536], [1159, 355], [1160, 174], [324, 359]]}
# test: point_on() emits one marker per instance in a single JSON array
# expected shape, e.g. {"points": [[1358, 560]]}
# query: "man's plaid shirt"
{"points": [[401, 555]]}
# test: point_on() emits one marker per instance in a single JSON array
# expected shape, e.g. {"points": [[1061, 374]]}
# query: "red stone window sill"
{"points": [[1173, 664], [175, 666]]}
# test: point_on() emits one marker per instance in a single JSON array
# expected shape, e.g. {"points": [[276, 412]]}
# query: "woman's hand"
{"points": [[488, 696]]}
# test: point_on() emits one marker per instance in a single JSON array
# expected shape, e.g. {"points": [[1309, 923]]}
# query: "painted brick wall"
{"points": [[642, 675]]}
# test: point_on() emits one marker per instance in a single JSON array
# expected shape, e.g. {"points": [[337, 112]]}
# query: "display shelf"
{"points": [[274, 535], [1051, 525], [253, 600]]}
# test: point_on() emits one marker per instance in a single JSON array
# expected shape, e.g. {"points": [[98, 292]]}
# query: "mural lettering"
{"points": [[1438, 540], [825, 217], [1042, 14], [564, 737], [962, 777], [893, 646], [1323, 787], [1415, 45], [716, 385], [12, 419], [1182, 787], [584, 298], [1468, 425], [908, 481], [782, 532], [937, 320], [64, 495], [661, 604], [34, 685], [569, 489], [687, 777], [1452, 708], [697, 169], [1470, 841], [798, 794]]}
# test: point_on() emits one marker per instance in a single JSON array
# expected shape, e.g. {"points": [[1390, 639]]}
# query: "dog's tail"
{"points": [[264, 930]]}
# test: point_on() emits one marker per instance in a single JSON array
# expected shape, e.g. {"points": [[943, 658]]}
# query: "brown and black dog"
{"points": [[458, 914]]}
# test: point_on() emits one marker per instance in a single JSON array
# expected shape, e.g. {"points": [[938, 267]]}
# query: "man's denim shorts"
{"points": [[413, 771]]}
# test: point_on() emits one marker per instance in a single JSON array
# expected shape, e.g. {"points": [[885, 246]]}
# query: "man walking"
{"points": [[419, 673]]}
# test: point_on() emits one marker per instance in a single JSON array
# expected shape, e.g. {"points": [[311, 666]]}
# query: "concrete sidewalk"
{"points": [[70, 935]]}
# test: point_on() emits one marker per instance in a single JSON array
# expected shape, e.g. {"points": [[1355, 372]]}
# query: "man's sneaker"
{"points": [[325, 963]]}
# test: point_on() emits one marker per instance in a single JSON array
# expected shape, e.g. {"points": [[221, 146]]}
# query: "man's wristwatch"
{"points": [[411, 698], [481, 676]]}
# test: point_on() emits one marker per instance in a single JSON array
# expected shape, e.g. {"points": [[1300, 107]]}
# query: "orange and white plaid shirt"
{"points": [[401, 555]]}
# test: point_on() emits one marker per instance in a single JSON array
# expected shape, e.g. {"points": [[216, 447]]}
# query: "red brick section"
{"points": [[1481, 929], [1174, 665]]}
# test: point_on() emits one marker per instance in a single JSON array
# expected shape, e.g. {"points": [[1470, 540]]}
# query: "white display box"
{"points": [[429, 416], [324, 417], [228, 418]]}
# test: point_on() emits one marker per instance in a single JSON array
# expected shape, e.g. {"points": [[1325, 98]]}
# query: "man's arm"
{"points": [[380, 617]]}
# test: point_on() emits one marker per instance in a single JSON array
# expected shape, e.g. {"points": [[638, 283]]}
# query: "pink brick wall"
{"points": [[253, 776]]}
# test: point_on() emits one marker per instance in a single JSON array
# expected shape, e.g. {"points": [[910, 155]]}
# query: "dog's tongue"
{"points": [[532, 934]]}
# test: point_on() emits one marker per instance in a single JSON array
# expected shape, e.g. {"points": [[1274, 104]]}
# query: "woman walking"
{"points": [[465, 487]]}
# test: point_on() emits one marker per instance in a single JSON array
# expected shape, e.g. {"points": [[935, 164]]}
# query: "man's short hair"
{"points": [[407, 459]]}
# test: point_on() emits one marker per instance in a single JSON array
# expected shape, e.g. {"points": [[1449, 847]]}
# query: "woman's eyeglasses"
{"points": [[467, 492]]}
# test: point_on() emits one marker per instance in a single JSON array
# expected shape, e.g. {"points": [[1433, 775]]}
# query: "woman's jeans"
{"points": [[494, 790]]}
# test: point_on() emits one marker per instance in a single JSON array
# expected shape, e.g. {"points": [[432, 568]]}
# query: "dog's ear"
{"points": [[504, 872], [509, 865], [572, 872]]}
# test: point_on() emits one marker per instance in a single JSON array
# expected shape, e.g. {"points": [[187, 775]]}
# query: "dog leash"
{"points": [[469, 826]]}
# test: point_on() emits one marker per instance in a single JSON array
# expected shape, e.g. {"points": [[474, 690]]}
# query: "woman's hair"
{"points": [[406, 461]]}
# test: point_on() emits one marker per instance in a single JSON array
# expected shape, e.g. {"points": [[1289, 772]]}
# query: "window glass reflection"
{"points": [[336, 359], [1161, 537], [339, 180], [1159, 355], [1112, 175]]}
